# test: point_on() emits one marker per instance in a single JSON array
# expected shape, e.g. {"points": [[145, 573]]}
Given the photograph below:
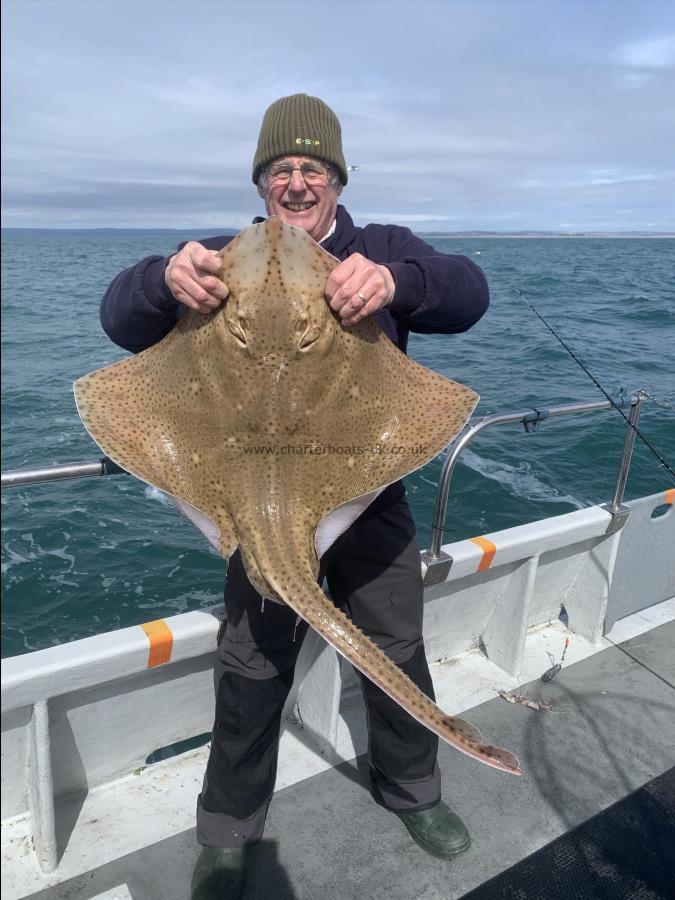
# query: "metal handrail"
{"points": [[530, 419], [18, 477], [435, 558]]}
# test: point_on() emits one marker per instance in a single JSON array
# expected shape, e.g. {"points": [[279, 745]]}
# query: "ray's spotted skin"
{"points": [[274, 427]]}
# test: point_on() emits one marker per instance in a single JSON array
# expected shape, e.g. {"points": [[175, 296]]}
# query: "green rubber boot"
{"points": [[439, 831], [219, 874]]}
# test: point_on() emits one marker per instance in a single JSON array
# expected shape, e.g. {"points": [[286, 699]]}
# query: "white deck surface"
{"points": [[159, 802]]}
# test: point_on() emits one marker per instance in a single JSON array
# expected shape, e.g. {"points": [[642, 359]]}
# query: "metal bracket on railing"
{"points": [[111, 468], [619, 517], [531, 420], [438, 567]]}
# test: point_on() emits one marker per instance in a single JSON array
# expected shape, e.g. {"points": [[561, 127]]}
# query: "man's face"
{"points": [[310, 206]]}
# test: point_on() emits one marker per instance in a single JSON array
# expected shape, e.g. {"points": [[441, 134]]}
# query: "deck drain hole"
{"points": [[176, 749]]}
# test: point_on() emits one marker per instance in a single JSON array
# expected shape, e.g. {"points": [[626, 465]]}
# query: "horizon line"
{"points": [[467, 232]]}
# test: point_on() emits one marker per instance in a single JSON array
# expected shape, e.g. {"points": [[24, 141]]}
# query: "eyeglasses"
{"points": [[312, 173]]}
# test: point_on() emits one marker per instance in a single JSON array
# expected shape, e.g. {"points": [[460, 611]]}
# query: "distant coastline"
{"points": [[547, 234], [210, 230]]}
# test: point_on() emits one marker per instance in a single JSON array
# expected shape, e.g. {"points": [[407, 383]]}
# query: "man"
{"points": [[373, 570]]}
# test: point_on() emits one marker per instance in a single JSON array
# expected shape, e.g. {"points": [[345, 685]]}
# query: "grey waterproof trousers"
{"points": [[373, 573]]}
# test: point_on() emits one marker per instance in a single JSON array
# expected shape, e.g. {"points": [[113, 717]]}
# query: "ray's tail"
{"points": [[310, 602]]}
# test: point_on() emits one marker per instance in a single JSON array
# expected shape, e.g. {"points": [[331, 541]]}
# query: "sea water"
{"points": [[92, 555]]}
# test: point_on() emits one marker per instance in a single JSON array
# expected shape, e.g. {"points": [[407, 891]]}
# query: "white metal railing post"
{"points": [[41, 787]]}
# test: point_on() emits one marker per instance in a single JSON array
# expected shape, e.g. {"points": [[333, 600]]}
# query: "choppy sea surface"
{"points": [[92, 555]]}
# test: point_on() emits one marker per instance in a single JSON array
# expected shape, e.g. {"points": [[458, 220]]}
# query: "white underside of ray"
{"points": [[331, 527], [207, 527], [336, 522]]}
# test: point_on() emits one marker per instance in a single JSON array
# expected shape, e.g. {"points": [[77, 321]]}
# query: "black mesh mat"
{"points": [[627, 851]]}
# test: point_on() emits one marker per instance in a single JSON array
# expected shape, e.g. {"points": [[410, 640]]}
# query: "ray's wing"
{"points": [[134, 411], [391, 414]]}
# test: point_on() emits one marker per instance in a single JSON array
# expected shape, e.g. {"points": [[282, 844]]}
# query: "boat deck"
{"points": [[611, 730]]}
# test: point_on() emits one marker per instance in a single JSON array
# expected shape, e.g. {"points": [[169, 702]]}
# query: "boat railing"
{"points": [[439, 563], [20, 477], [436, 561]]}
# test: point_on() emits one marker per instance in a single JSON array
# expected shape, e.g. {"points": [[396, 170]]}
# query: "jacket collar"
{"points": [[343, 236], [340, 240]]}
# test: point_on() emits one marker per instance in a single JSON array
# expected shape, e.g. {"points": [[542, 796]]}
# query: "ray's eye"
{"points": [[310, 337], [238, 329]]}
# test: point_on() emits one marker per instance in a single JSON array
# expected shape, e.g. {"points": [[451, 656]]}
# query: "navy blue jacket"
{"points": [[435, 293]]}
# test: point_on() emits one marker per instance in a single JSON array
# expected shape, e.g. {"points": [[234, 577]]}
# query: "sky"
{"points": [[498, 115]]}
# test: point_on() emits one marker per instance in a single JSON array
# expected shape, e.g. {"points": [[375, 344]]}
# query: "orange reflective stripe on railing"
{"points": [[489, 549], [161, 642]]}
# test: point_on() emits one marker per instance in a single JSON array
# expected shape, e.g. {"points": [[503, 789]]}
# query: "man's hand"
{"points": [[191, 278], [358, 287]]}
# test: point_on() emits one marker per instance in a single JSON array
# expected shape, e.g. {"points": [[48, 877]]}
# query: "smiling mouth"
{"points": [[299, 207]]}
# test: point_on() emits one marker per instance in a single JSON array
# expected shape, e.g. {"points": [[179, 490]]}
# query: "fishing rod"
{"points": [[601, 388]]}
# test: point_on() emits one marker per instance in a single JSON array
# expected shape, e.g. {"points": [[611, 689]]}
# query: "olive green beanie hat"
{"points": [[300, 125]]}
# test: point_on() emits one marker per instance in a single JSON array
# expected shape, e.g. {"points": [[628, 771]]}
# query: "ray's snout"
{"points": [[277, 275]]}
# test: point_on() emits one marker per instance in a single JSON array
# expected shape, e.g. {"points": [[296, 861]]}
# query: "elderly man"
{"points": [[373, 570]]}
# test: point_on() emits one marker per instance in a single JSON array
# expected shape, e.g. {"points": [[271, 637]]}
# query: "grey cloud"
{"points": [[452, 116]]}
